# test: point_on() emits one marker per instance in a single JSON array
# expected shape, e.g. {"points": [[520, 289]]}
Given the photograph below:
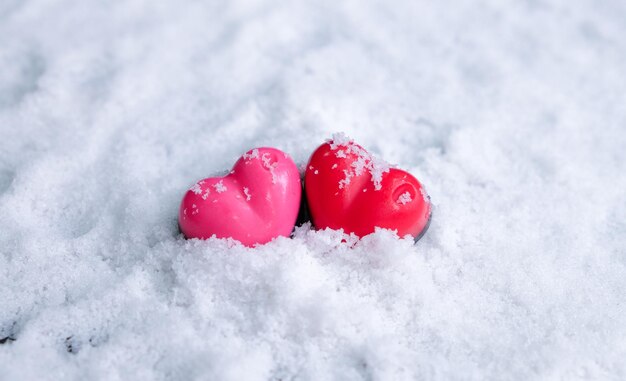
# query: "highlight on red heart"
{"points": [[256, 202], [348, 188]]}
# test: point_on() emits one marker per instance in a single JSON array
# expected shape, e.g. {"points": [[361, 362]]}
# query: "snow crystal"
{"points": [[425, 195], [346, 180], [253, 154], [246, 191], [220, 187], [109, 110], [404, 198], [267, 163], [338, 139], [196, 188], [363, 161], [377, 168]]}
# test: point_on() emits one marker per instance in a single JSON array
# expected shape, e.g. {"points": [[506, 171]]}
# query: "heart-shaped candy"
{"points": [[257, 201], [347, 188]]}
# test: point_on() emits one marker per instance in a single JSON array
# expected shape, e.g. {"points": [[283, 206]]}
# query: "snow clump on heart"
{"points": [[343, 145]]}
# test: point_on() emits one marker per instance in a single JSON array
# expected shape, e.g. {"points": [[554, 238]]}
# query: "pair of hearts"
{"points": [[346, 188]]}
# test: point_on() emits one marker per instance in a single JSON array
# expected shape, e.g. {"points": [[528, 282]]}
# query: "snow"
{"points": [[196, 188], [206, 193], [220, 187], [252, 154], [405, 198], [347, 179], [510, 113], [425, 195], [339, 139], [270, 164], [363, 160]]}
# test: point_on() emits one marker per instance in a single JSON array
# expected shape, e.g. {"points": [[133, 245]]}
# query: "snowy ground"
{"points": [[513, 114]]}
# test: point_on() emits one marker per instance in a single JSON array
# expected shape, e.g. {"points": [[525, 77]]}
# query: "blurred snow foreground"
{"points": [[512, 114]]}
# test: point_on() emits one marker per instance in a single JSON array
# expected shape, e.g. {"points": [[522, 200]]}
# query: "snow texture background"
{"points": [[513, 115]]}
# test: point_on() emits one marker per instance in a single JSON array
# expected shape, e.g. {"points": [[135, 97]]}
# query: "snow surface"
{"points": [[511, 113]]}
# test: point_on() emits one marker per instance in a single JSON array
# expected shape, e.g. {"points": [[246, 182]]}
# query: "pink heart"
{"points": [[257, 201]]}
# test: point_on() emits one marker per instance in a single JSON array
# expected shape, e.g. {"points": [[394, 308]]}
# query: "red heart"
{"points": [[349, 189]]}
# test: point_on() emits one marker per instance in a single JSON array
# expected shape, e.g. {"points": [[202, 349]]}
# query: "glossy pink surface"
{"points": [[256, 202]]}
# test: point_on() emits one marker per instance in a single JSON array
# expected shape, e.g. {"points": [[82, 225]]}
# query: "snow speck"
{"points": [[377, 167], [220, 187], [267, 163], [246, 191], [363, 161], [346, 180], [253, 154], [206, 193], [404, 198], [196, 188], [425, 195], [339, 139]]}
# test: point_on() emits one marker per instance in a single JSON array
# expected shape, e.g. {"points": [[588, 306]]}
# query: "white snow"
{"points": [[339, 139], [252, 154], [196, 188], [364, 160], [220, 187], [404, 198], [425, 195], [206, 193], [270, 165], [511, 113], [347, 179]]}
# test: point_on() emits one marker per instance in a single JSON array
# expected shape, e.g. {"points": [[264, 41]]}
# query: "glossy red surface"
{"points": [[357, 207]]}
